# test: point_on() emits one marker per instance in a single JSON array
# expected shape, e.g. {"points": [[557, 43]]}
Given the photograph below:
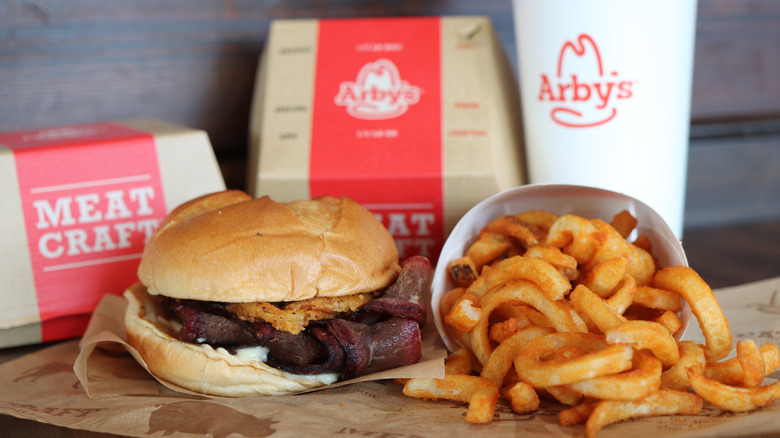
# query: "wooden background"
{"points": [[193, 62]]}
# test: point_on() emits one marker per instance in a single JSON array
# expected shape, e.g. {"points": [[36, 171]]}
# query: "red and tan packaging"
{"points": [[78, 204], [415, 118]]}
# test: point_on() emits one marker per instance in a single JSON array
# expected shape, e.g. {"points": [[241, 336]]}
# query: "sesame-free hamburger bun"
{"points": [[229, 247]]}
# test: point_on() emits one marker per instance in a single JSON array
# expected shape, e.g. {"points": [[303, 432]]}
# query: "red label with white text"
{"points": [[376, 129], [91, 197]]}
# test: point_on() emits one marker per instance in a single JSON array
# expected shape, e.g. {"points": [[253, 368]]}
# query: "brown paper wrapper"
{"points": [[123, 399]]}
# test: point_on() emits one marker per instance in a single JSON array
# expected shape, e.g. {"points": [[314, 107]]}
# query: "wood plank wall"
{"points": [[193, 62]]}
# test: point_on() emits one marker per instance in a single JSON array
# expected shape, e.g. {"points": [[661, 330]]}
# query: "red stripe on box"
{"points": [[376, 129]]}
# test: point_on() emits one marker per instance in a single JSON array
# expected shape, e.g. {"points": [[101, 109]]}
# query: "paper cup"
{"points": [[588, 202], [606, 95]]}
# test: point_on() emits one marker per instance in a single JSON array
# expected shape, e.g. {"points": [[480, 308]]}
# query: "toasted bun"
{"points": [[199, 368], [229, 247]]}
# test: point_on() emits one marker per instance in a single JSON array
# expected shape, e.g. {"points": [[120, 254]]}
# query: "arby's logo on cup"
{"points": [[378, 93], [583, 93]]}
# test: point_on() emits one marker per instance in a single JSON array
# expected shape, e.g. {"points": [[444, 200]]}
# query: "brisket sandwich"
{"points": [[241, 296]]}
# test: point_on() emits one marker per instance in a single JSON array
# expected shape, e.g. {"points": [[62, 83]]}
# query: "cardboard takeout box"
{"points": [[415, 118], [78, 203]]}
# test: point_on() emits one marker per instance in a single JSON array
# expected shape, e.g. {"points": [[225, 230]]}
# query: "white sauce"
{"points": [[257, 353], [260, 354], [324, 378]]}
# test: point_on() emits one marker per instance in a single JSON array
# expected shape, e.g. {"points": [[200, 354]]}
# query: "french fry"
{"points": [[730, 371], [564, 395], [686, 282], [623, 295], [605, 347], [462, 271], [649, 335], [489, 247], [595, 308], [663, 402], [463, 316], [449, 299], [601, 359], [641, 264], [501, 359], [541, 219], [544, 275], [523, 314], [479, 393], [521, 292], [575, 236], [460, 361], [642, 380], [732, 398], [577, 414], [691, 357], [670, 320], [643, 241], [525, 234], [522, 397], [655, 298], [624, 222], [565, 263], [506, 328], [751, 361], [604, 277]]}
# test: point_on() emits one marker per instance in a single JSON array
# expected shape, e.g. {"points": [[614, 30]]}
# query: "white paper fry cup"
{"points": [[587, 202]]}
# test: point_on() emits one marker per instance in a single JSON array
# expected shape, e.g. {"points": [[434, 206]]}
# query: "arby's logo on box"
{"points": [[582, 92], [378, 92], [91, 197]]}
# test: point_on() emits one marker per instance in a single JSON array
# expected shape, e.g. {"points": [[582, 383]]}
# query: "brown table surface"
{"points": [[724, 256]]}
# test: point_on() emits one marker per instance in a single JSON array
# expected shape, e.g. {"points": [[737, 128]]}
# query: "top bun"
{"points": [[230, 247]]}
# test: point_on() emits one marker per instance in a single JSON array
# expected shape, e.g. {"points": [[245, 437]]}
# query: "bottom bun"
{"points": [[200, 368]]}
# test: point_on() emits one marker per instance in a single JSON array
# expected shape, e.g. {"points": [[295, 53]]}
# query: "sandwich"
{"points": [[243, 296]]}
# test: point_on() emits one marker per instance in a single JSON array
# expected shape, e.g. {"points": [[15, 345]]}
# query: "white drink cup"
{"points": [[606, 94]]}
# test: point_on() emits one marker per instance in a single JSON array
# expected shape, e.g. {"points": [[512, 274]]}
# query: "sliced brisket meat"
{"points": [[384, 333], [372, 348], [404, 298], [356, 340], [207, 328], [332, 361], [396, 342]]}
